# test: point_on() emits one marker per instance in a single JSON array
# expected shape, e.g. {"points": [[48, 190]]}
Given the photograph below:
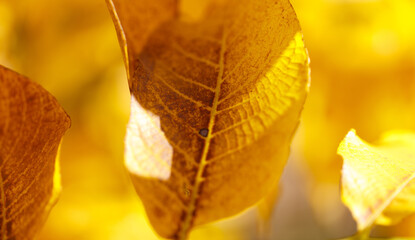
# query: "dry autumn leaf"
{"points": [[31, 127], [377, 181], [215, 102]]}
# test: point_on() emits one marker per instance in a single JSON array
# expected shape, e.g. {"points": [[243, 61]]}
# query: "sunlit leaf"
{"points": [[215, 102], [377, 181], [31, 127]]}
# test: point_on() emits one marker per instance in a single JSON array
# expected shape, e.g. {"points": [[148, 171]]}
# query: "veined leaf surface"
{"points": [[377, 181], [31, 127], [215, 102]]}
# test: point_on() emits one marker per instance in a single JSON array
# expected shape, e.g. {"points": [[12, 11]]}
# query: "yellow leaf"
{"points": [[31, 127], [265, 210], [377, 181], [215, 101]]}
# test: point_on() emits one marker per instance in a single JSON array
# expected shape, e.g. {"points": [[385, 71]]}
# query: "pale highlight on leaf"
{"points": [[377, 181], [31, 127], [228, 90], [147, 151]]}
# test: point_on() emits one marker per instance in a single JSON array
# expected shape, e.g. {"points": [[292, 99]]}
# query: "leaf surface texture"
{"points": [[31, 127]]}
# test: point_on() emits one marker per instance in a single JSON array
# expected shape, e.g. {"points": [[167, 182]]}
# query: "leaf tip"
{"points": [[350, 137]]}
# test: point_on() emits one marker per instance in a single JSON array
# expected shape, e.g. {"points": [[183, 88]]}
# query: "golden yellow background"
{"points": [[363, 76]]}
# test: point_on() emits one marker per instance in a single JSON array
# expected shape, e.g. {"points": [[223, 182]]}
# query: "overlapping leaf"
{"points": [[266, 209], [378, 181], [31, 127], [215, 102]]}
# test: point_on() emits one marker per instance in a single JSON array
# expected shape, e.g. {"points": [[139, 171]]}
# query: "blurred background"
{"points": [[363, 76]]}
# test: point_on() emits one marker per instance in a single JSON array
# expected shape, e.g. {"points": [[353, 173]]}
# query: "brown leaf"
{"points": [[214, 105], [31, 127], [141, 18]]}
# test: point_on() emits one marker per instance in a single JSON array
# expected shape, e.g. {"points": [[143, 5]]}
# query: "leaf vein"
{"points": [[183, 78], [198, 103], [192, 56], [174, 116], [199, 176]]}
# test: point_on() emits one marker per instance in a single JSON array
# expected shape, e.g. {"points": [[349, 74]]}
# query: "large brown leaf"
{"points": [[215, 102], [31, 127]]}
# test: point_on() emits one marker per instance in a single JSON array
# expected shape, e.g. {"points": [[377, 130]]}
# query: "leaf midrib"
{"points": [[186, 224]]}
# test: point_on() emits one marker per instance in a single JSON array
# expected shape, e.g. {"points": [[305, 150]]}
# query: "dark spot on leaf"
{"points": [[186, 190], [204, 132]]}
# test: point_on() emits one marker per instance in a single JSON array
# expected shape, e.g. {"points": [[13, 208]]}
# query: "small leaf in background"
{"points": [[377, 181], [215, 102], [32, 124]]}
